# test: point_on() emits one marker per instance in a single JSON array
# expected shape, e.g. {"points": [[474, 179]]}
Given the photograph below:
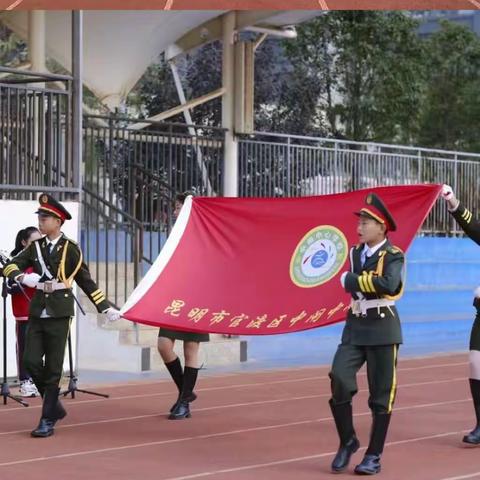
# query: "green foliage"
{"points": [[359, 75], [367, 67], [450, 111], [13, 50]]}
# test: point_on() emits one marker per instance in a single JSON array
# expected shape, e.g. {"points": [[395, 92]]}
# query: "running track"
{"points": [[267, 424], [240, 4]]}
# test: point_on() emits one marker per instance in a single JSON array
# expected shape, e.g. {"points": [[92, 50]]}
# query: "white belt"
{"points": [[51, 286], [360, 307]]}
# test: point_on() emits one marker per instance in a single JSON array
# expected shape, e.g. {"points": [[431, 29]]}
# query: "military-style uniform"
{"points": [[371, 334], [471, 227], [52, 307]]}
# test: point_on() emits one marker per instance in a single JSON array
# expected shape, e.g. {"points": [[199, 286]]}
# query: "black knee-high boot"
{"points": [[343, 416], [370, 464], [182, 408], [176, 371], [474, 436], [52, 411]]}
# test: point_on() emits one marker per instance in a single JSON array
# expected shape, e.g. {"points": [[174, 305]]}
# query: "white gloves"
{"points": [[447, 192], [449, 197], [342, 278], [112, 315], [31, 279]]}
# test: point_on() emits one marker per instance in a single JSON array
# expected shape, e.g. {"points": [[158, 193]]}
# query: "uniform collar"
{"points": [[369, 251], [54, 241]]}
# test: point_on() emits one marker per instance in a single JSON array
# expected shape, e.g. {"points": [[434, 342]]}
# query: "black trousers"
{"points": [[45, 349], [381, 372]]}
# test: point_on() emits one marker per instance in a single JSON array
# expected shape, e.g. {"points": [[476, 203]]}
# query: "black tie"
{"points": [[49, 249]]}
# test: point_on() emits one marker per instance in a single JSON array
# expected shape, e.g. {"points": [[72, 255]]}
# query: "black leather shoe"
{"points": [[473, 437], [189, 399], [370, 465], [181, 411], [342, 458], [44, 429]]}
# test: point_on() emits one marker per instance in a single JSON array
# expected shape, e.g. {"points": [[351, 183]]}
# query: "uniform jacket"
{"points": [[59, 303], [469, 225], [380, 277]]}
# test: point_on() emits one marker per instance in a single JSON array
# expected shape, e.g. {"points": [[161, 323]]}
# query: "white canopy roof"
{"points": [[120, 45]]}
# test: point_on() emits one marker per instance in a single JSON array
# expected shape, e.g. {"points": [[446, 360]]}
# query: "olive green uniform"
{"points": [[51, 312], [471, 226], [372, 336]]}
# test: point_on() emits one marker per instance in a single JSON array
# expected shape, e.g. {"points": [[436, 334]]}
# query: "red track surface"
{"points": [[241, 4], [269, 425]]}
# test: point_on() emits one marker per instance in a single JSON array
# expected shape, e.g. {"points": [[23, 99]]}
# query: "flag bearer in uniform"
{"points": [[471, 227], [56, 261], [371, 335]]}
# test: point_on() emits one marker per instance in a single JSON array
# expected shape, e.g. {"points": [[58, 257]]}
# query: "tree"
{"points": [[363, 69], [155, 92], [450, 111], [13, 50]]}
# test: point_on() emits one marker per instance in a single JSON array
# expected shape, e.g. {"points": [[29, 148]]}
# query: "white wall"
{"points": [[15, 215]]}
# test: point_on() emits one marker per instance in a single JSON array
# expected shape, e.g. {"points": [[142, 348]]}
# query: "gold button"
{"points": [[46, 295], [66, 294]]}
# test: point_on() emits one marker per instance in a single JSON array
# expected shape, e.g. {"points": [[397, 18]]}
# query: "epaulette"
{"points": [[72, 242], [394, 250]]}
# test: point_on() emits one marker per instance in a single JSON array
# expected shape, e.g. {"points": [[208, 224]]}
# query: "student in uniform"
{"points": [[371, 335], [471, 227], [57, 262]]}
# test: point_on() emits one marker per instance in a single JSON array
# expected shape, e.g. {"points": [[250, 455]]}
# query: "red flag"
{"points": [[259, 266]]}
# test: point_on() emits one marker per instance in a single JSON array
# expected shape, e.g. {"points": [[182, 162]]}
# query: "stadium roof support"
{"points": [[110, 69]]}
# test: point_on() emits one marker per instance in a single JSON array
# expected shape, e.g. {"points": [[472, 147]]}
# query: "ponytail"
{"points": [[22, 236]]}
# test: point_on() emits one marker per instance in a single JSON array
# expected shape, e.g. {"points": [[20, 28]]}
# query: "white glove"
{"points": [[342, 278], [112, 315], [449, 197], [31, 279], [447, 192]]}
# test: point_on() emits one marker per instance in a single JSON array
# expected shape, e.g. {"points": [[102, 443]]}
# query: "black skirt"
{"points": [[184, 336]]}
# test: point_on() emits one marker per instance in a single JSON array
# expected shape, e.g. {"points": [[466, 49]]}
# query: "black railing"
{"points": [[35, 135], [132, 172], [140, 166], [278, 165]]}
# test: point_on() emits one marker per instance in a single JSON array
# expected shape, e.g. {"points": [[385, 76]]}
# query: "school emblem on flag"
{"points": [[318, 257], [248, 266]]}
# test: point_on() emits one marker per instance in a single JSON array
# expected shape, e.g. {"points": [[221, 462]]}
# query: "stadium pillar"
{"points": [[230, 168]]}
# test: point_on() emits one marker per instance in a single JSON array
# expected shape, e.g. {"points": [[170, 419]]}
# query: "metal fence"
{"points": [[35, 135], [132, 172], [287, 165]]}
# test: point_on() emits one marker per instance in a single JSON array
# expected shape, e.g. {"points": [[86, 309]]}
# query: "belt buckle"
{"points": [[48, 286]]}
